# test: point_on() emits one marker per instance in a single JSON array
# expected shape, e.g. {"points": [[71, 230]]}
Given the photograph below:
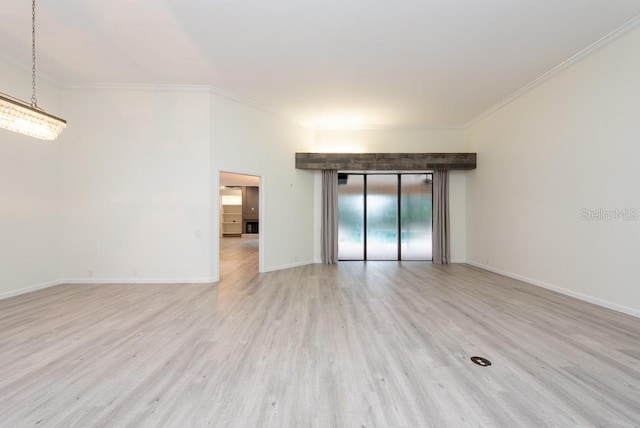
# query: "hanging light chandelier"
{"points": [[29, 119]]}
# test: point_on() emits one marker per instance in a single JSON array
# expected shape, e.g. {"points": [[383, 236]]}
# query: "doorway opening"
{"points": [[239, 238], [385, 216]]}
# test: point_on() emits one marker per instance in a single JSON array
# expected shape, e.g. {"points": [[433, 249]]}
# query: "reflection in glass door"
{"points": [[350, 217], [415, 206], [384, 216]]}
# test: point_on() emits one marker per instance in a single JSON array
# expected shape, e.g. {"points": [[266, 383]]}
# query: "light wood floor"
{"points": [[375, 344]]}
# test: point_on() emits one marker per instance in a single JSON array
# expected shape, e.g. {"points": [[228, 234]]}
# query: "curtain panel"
{"points": [[329, 216], [441, 235]]}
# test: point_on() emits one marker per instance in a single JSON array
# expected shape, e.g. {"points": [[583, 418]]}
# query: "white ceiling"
{"points": [[232, 179], [325, 63]]}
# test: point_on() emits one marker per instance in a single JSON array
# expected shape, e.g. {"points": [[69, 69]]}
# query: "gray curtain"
{"points": [[441, 248], [329, 216]]}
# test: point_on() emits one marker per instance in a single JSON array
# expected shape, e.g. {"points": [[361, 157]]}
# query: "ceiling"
{"points": [[323, 63], [229, 179]]}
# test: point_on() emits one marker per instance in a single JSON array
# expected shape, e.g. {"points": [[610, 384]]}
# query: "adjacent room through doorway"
{"points": [[239, 225]]}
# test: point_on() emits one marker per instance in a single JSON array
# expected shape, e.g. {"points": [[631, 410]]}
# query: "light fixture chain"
{"points": [[29, 119], [34, 101]]}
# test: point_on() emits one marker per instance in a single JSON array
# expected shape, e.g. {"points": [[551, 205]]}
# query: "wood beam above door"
{"points": [[386, 161]]}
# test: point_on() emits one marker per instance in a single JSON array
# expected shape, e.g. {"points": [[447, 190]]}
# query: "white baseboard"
{"points": [[584, 297], [457, 261], [30, 289], [288, 266], [37, 287], [139, 281], [566, 292]]}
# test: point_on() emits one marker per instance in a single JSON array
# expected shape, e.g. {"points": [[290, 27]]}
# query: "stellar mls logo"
{"points": [[625, 214]]}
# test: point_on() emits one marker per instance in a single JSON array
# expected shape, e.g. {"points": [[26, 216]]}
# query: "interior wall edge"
{"points": [[599, 302], [288, 266], [584, 53], [93, 281], [30, 289]]}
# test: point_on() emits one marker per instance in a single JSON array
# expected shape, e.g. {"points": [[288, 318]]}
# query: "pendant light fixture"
{"points": [[29, 119]]}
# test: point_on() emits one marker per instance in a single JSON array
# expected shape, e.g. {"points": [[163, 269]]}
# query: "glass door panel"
{"points": [[382, 217], [415, 208], [350, 217]]}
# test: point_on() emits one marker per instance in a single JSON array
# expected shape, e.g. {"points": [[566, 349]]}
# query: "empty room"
{"points": [[320, 213]]}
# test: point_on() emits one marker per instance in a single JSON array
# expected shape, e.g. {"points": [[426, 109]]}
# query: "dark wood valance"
{"points": [[386, 161]]}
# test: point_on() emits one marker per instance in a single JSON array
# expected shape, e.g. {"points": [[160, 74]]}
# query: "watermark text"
{"points": [[623, 214]]}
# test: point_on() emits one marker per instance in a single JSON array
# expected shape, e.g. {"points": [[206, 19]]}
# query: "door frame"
{"points": [[217, 219], [399, 175]]}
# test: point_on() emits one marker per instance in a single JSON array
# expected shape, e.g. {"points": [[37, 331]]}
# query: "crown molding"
{"points": [[592, 48], [257, 106], [380, 127], [142, 87]]}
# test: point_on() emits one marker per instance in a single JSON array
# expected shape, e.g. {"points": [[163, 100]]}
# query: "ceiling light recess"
{"points": [[29, 119]]}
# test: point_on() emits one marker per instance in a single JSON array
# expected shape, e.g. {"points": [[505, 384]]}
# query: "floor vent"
{"points": [[481, 361]]}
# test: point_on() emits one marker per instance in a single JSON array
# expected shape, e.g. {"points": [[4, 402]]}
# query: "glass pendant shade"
{"points": [[18, 116]]}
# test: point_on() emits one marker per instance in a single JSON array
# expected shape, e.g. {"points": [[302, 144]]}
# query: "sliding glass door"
{"points": [[350, 217], [416, 222], [384, 216]]}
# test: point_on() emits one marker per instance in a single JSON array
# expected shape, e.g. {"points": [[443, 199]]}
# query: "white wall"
{"points": [[137, 185], [129, 192], [407, 141], [570, 144], [30, 195], [141, 184], [249, 141], [390, 140]]}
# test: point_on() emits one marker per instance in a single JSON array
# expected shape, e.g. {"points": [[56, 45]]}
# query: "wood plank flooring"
{"points": [[376, 344]]}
